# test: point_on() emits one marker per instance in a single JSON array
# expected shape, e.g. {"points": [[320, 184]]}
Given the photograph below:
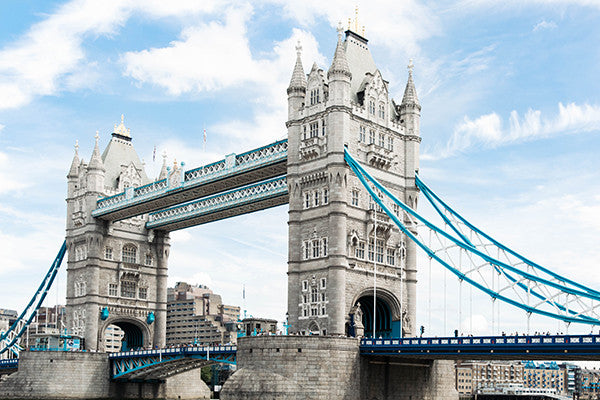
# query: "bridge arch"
{"points": [[137, 334], [388, 312]]}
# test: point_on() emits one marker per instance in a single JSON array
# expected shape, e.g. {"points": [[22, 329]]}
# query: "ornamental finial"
{"points": [[340, 29], [97, 136], [356, 19], [121, 130], [410, 66], [76, 147], [164, 156], [298, 48]]}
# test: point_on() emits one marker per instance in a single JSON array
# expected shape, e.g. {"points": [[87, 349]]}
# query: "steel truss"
{"points": [[484, 263]]}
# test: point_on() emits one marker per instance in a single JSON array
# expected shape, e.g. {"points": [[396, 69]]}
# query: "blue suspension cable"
{"points": [[359, 171]]}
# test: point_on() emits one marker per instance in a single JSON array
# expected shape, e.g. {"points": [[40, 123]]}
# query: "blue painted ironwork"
{"points": [[9, 340], [161, 363], [9, 365], [234, 164], [489, 347], [227, 200], [583, 317]]}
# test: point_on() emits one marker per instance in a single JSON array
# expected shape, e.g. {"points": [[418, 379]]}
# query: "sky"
{"points": [[510, 124]]}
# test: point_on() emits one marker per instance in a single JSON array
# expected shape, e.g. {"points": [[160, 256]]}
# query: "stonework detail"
{"points": [[115, 267], [332, 231]]}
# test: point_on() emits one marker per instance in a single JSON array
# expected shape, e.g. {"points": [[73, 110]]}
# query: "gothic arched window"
{"points": [[129, 254]]}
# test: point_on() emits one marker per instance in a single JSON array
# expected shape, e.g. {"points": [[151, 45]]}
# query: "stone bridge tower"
{"points": [[116, 272], [334, 246]]}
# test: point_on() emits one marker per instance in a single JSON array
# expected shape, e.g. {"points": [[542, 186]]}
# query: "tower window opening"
{"points": [[128, 289], [323, 130], [143, 293], [359, 252], [315, 248], [390, 143], [314, 296], [317, 199], [307, 250], [391, 256], [323, 286], [324, 249], [129, 254], [381, 140], [108, 253], [304, 132], [325, 196], [113, 289], [371, 136], [307, 200], [371, 250], [381, 110], [355, 197], [314, 129], [379, 251], [362, 134], [372, 107]]}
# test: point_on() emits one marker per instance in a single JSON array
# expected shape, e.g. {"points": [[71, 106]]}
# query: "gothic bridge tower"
{"points": [[116, 271], [337, 237]]}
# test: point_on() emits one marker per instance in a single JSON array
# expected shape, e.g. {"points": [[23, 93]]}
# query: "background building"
{"points": [[546, 375], [197, 315]]}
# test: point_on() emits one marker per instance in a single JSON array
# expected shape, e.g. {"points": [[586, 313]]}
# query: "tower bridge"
{"points": [[348, 170]]}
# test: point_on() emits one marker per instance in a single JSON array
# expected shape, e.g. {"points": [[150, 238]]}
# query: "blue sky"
{"points": [[510, 120]]}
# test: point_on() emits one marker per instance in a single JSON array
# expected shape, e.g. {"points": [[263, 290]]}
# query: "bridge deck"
{"points": [[572, 347], [232, 172]]}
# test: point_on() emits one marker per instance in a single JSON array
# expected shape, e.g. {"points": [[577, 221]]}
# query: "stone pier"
{"points": [[320, 367]]}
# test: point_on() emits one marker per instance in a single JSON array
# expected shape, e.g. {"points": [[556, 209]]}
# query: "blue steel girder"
{"points": [[234, 171], [259, 196], [562, 347], [152, 365]]}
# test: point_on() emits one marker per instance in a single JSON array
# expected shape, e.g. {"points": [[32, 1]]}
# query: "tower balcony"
{"points": [[313, 147], [379, 156]]}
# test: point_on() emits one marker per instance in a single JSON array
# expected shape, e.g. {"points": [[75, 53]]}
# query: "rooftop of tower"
{"points": [[359, 59]]}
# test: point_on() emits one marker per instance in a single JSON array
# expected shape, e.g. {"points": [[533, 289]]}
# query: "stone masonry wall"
{"points": [[295, 367], [58, 375]]}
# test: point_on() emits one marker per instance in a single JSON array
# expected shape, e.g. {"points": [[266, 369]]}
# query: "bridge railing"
{"points": [[195, 350], [9, 364], [232, 164], [486, 341]]}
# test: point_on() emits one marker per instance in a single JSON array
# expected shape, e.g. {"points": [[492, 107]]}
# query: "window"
{"points": [[108, 253], [390, 143], [128, 289], [80, 289], [322, 296], [379, 251], [314, 96], [323, 312], [323, 286], [371, 136], [314, 129], [313, 311], [324, 247], [314, 296], [315, 248], [129, 254], [143, 293], [304, 298], [304, 132], [305, 312], [381, 110], [307, 250], [323, 131], [80, 252], [317, 199], [112, 289], [359, 252], [362, 134], [304, 286], [381, 140], [371, 250], [307, 200], [148, 259], [372, 107], [396, 209], [355, 197], [325, 196], [391, 256]]}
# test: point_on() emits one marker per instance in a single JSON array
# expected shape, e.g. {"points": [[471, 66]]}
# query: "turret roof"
{"points": [[298, 80]]}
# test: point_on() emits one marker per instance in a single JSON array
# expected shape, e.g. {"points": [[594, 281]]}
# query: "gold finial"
{"points": [[363, 31], [120, 129], [410, 66], [349, 23], [356, 19], [174, 163]]}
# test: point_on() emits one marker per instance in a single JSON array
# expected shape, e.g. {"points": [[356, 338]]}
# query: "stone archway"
{"points": [[133, 334], [387, 311]]}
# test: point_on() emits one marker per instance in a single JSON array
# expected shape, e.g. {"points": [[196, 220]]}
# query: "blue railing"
{"points": [[587, 346], [9, 364], [231, 165]]}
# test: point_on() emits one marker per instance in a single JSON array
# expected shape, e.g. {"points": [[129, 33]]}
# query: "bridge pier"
{"points": [[322, 367], [85, 376]]}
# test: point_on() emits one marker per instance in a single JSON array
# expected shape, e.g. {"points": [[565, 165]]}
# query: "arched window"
{"points": [[129, 254]]}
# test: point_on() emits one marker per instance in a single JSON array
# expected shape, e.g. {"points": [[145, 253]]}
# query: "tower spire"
{"points": [[73, 171], [410, 93], [298, 81], [339, 65], [96, 160]]}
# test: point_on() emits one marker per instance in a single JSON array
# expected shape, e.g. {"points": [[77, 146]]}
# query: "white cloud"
{"points": [[520, 3], [543, 24], [489, 131], [40, 62]]}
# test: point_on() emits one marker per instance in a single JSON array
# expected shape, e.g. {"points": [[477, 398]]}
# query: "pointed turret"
{"points": [[298, 81], [74, 170], [410, 109], [339, 65], [297, 89], [410, 93], [96, 160], [95, 170], [164, 172]]}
